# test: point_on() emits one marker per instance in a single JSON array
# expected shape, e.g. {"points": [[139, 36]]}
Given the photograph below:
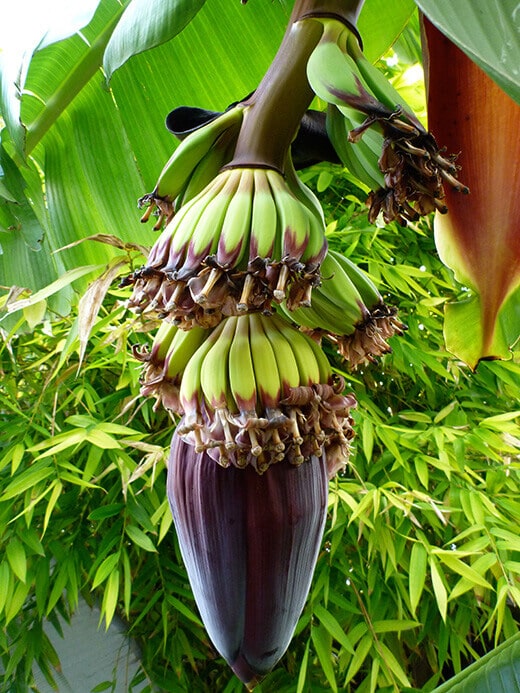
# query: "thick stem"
{"points": [[277, 106]]}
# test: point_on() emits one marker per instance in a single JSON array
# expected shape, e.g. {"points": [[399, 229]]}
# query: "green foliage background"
{"points": [[419, 572]]}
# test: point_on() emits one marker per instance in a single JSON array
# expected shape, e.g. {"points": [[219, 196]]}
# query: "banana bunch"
{"points": [[259, 391], [251, 237], [348, 309], [250, 545], [375, 133], [164, 364]]}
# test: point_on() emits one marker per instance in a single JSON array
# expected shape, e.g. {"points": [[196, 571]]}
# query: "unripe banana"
{"points": [[265, 363], [214, 372], [331, 71], [287, 366], [264, 220], [308, 366], [293, 217], [367, 289], [242, 379], [236, 228], [191, 394], [176, 173], [360, 158], [205, 236]]}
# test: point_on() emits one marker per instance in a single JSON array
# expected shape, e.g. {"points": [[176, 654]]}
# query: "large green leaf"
{"points": [[146, 24], [487, 31], [496, 672], [381, 22], [50, 22]]}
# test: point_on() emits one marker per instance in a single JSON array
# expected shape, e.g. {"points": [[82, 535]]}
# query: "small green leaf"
{"points": [[106, 511], [418, 561], [110, 597], [140, 538], [303, 669], [333, 627], [362, 650], [17, 558], [439, 589], [322, 644], [183, 609], [105, 569]]}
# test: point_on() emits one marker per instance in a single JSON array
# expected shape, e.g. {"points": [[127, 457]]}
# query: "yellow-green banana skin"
{"points": [[250, 544]]}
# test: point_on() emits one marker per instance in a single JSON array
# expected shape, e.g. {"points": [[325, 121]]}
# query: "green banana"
{"points": [[206, 233], [164, 336], [184, 224], [264, 219], [360, 157], [265, 364], [242, 379], [208, 167], [337, 287], [308, 367], [233, 244], [176, 173], [368, 291], [322, 361], [190, 392], [294, 220], [331, 72], [287, 366], [182, 348], [214, 372]]}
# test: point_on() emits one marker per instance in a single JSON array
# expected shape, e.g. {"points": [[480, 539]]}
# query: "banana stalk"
{"points": [[250, 545], [275, 110], [479, 239]]}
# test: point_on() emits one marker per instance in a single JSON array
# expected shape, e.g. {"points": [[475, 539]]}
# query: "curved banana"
{"points": [[205, 237], [214, 372], [287, 366], [264, 219], [233, 242], [185, 222], [209, 166], [308, 366], [360, 157], [293, 217], [242, 381], [177, 171], [190, 393], [368, 291], [265, 364]]}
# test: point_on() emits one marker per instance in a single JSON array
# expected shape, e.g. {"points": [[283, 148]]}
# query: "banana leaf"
{"points": [[497, 672]]}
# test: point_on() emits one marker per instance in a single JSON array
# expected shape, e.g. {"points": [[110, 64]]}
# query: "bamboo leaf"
{"points": [[439, 589], [333, 627], [322, 644], [105, 569], [110, 597], [140, 538], [17, 559]]}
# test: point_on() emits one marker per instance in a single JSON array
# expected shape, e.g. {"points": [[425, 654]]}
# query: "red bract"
{"points": [[479, 238]]}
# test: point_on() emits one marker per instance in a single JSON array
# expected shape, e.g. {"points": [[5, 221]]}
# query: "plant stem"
{"points": [[277, 106]]}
